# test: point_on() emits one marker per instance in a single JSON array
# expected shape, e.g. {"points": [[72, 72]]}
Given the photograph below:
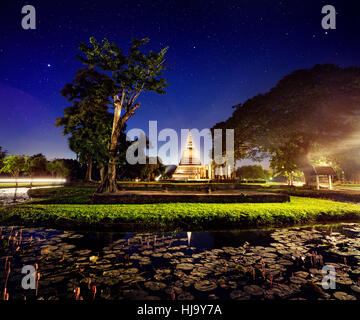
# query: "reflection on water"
{"points": [[273, 264], [16, 195]]}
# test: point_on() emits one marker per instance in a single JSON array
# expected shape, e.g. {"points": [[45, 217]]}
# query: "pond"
{"points": [[17, 195], [241, 265]]}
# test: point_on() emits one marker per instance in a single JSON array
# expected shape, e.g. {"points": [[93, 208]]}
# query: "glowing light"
{"points": [[298, 183], [323, 164], [28, 180], [189, 238]]}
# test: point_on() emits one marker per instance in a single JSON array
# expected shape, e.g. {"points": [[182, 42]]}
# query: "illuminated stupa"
{"points": [[190, 167]]}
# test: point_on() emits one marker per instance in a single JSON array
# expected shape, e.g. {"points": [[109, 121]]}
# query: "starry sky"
{"points": [[222, 52]]}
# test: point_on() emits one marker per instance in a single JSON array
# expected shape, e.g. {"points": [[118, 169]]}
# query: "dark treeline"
{"points": [[309, 118], [37, 166]]}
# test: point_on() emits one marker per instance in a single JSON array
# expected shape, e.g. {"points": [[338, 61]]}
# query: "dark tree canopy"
{"points": [[35, 165], [3, 154], [306, 110], [132, 74], [88, 121], [252, 172]]}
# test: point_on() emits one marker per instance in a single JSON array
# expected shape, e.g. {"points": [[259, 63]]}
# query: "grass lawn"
{"points": [[67, 208], [62, 195], [267, 184]]}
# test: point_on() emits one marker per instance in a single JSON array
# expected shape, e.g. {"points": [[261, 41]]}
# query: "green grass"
{"points": [[180, 216], [62, 195], [196, 183], [165, 183]]}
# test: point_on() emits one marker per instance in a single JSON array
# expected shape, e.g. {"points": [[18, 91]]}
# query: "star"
{"points": [[49, 65]]}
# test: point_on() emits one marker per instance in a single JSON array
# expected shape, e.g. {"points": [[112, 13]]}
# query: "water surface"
{"points": [[244, 265]]}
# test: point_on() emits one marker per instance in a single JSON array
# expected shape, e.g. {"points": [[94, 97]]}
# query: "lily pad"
{"points": [[340, 295], [239, 295], [254, 290], [185, 266], [185, 296], [155, 286], [205, 285]]}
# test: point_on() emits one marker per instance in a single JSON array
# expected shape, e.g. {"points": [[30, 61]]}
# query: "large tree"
{"points": [[88, 121], [133, 73], [306, 109]]}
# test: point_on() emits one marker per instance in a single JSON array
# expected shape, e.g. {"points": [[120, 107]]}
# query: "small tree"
{"points": [[35, 165], [252, 172], [62, 171], [57, 168], [51, 168], [2, 156], [13, 165], [151, 171]]}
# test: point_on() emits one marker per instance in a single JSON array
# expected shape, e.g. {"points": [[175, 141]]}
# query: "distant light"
{"points": [[49, 65], [27, 180], [189, 238]]}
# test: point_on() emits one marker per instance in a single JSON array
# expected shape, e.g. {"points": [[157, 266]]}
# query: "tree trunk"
{"points": [[304, 165], [109, 183], [102, 174], [307, 177], [89, 170]]}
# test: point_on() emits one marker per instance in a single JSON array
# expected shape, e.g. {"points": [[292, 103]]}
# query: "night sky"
{"points": [[221, 53]]}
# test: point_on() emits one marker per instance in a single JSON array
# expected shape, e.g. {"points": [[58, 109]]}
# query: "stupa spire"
{"points": [[190, 156], [190, 166]]}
